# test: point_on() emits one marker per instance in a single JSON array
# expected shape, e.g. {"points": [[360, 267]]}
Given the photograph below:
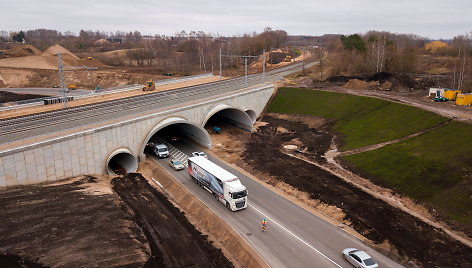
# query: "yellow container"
{"points": [[464, 99], [451, 94]]}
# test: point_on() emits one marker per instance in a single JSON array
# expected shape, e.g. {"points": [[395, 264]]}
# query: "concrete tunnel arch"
{"points": [[191, 130], [122, 158], [252, 115], [232, 115]]}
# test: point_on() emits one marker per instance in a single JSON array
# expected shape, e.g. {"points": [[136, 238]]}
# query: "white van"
{"points": [[161, 151]]}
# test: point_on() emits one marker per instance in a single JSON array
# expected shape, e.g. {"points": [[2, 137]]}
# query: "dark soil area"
{"points": [[82, 223], [6, 96], [174, 241], [392, 81], [63, 225], [14, 261], [375, 219]]}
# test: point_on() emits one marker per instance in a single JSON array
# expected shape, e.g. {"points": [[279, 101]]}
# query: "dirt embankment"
{"points": [[408, 237], [174, 241], [82, 222]]}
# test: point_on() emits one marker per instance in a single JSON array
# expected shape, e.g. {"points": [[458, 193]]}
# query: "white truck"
{"points": [[225, 186]]}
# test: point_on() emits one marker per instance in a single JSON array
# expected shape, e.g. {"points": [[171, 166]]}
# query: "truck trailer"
{"points": [[225, 186]]}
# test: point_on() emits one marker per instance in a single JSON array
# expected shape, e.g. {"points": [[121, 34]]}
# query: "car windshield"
{"points": [[162, 150], [239, 194], [369, 262], [177, 162]]}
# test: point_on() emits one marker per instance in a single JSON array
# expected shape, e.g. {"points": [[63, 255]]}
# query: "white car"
{"points": [[359, 258], [200, 154]]}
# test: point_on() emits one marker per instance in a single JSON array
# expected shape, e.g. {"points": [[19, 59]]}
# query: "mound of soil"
{"points": [[360, 84], [382, 80], [56, 49], [22, 51], [71, 223], [174, 241], [375, 219], [81, 222]]}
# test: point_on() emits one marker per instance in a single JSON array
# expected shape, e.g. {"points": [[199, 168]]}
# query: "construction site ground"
{"points": [[385, 225], [99, 221]]}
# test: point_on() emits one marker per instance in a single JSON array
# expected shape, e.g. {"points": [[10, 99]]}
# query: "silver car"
{"points": [[359, 258], [176, 164]]}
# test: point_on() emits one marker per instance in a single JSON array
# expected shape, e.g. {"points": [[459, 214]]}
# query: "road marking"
{"points": [[301, 240]]}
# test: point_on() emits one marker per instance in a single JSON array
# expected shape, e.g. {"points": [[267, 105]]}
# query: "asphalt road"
{"points": [[46, 91], [294, 236]]}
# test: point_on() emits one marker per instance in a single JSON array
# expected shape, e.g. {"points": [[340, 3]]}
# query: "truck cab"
{"points": [[236, 194]]}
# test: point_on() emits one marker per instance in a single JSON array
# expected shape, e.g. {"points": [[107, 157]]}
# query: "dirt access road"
{"points": [[98, 222]]}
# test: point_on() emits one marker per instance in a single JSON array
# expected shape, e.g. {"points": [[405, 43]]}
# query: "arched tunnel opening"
{"points": [[121, 163], [231, 116], [177, 135], [252, 115]]}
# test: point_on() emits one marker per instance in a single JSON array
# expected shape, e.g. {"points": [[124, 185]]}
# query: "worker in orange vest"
{"points": [[264, 225]]}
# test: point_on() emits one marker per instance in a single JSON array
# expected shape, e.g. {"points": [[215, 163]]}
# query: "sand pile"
{"points": [[56, 49], [22, 51], [359, 84], [32, 58]]}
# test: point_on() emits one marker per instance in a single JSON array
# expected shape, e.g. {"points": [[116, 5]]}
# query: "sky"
{"points": [[433, 19]]}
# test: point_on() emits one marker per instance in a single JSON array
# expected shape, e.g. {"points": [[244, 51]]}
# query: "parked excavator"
{"points": [[149, 86]]}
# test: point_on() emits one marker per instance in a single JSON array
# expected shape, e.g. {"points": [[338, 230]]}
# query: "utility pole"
{"points": [[60, 68], [220, 66], [61, 79], [245, 64], [245, 72], [263, 63]]}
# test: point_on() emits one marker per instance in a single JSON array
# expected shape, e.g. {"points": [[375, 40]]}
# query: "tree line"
{"points": [[375, 52]]}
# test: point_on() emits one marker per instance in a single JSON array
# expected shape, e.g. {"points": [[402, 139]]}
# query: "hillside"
{"points": [[432, 167]]}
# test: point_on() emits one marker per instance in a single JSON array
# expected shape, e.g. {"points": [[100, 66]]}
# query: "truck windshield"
{"points": [[238, 194]]}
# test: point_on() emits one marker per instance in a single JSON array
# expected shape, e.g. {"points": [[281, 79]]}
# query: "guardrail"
{"points": [[181, 79]]}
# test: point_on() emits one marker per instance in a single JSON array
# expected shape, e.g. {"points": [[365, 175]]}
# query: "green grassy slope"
{"points": [[435, 167], [361, 121]]}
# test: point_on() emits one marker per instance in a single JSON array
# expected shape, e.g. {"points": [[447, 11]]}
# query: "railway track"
{"points": [[93, 112]]}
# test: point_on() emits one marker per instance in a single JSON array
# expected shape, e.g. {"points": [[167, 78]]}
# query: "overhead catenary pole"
{"points": [[60, 68], [245, 72], [221, 73], [245, 64], [263, 63], [61, 79]]}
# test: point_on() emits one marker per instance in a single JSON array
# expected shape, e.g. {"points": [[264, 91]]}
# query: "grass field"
{"points": [[361, 121], [435, 167]]}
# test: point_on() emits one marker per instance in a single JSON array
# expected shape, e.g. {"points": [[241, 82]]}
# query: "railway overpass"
{"points": [[93, 139]]}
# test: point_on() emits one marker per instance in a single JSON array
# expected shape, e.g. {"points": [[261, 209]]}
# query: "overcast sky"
{"points": [[429, 18]]}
